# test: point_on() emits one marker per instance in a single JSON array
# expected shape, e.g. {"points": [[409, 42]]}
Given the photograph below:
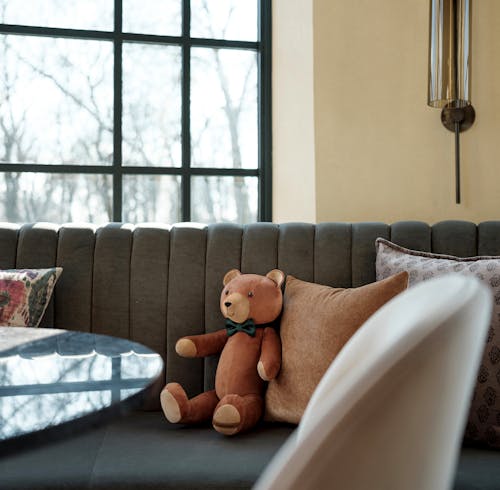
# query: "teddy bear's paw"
{"points": [[185, 348], [262, 371], [227, 420], [170, 407], [169, 404]]}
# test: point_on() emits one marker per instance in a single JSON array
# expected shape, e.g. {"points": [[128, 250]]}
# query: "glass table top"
{"points": [[58, 380]]}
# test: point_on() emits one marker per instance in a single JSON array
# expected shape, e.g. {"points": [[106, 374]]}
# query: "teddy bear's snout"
{"points": [[236, 307]]}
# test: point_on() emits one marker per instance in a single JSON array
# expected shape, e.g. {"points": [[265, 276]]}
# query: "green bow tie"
{"points": [[248, 327]]}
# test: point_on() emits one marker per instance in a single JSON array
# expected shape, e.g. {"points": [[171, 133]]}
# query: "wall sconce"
{"points": [[449, 69]]}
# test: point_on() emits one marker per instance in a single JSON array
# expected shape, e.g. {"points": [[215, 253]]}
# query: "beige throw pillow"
{"points": [[316, 323]]}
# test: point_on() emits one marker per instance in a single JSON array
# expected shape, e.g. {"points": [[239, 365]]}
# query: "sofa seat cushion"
{"points": [[144, 451], [478, 469]]}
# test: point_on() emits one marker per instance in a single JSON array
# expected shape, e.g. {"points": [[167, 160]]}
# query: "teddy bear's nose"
{"points": [[227, 304]]}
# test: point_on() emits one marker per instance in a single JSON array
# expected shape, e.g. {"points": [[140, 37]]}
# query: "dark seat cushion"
{"points": [[478, 469], [143, 451]]}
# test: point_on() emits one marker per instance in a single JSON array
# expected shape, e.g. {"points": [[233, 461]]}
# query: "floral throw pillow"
{"points": [[483, 425], [25, 294]]}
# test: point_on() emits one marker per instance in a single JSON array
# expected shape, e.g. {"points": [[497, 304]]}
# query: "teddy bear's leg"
{"points": [[178, 409], [235, 413]]}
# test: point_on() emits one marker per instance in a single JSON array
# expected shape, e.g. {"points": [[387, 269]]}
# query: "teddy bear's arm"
{"points": [[270, 355], [202, 345]]}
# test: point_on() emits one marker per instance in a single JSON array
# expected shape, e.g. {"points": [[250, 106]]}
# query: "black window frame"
{"points": [[117, 170]]}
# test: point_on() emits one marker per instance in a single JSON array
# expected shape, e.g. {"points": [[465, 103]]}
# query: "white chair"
{"points": [[390, 411]]}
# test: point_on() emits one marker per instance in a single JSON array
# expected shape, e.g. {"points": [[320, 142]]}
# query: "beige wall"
{"points": [[379, 152], [294, 181]]}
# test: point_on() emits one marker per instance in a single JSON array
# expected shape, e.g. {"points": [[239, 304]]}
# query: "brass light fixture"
{"points": [[449, 69]]}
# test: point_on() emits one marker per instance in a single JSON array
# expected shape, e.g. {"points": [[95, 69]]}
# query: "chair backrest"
{"points": [[390, 411]]}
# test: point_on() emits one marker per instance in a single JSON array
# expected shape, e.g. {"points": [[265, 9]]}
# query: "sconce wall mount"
{"points": [[464, 116], [449, 69]]}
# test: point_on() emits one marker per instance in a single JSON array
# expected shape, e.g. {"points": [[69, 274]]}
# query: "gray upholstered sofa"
{"points": [[153, 284]]}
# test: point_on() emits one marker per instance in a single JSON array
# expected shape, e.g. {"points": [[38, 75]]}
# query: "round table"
{"points": [[55, 382]]}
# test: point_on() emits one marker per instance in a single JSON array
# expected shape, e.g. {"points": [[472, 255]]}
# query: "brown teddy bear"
{"points": [[251, 354]]}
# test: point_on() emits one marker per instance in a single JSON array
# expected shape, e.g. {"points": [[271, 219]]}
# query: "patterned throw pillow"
{"points": [[25, 294], [483, 424]]}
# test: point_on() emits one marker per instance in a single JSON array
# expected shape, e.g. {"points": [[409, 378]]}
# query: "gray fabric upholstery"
{"points": [[488, 238], [259, 250], [296, 250], [111, 283], [363, 251], [182, 457], [61, 465], [8, 246], [455, 238], [75, 254], [478, 469], [154, 284], [412, 234], [332, 254], [37, 248], [149, 264], [143, 451], [186, 303]]}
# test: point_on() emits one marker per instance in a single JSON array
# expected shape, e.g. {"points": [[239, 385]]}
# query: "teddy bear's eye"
{"points": [[250, 294], [226, 292]]}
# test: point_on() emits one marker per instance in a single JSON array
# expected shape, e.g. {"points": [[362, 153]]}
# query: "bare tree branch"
{"points": [[62, 88]]}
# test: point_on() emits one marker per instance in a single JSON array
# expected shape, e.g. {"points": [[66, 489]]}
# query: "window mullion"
{"points": [[186, 117], [264, 111], [117, 114]]}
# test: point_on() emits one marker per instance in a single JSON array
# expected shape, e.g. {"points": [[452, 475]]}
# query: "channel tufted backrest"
{"points": [[154, 283]]}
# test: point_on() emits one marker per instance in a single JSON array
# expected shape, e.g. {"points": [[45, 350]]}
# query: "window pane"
{"points": [[151, 105], [231, 199], [151, 198], [69, 14], [56, 101], [224, 19], [29, 197], [224, 108], [153, 17]]}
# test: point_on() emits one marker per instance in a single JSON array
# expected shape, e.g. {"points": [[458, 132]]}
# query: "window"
{"points": [[135, 110]]}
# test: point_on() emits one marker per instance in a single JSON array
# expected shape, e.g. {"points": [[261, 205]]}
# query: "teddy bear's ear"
{"points": [[231, 275], [276, 276]]}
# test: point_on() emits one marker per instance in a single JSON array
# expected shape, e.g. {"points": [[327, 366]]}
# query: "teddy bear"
{"points": [[250, 355]]}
